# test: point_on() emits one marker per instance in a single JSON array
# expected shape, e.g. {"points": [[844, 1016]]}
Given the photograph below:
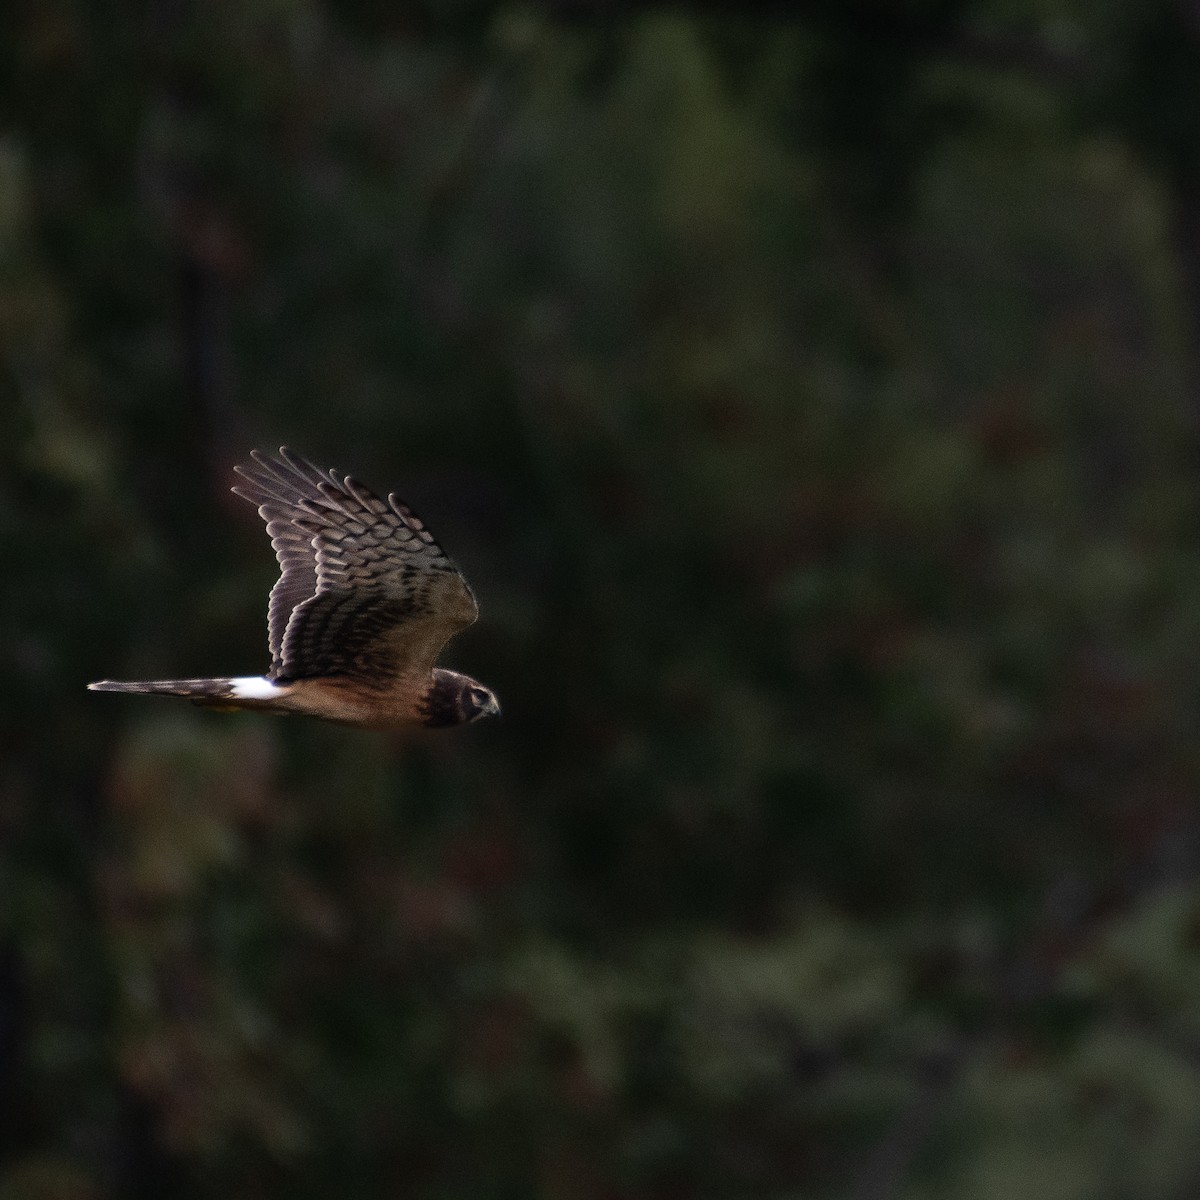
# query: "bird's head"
{"points": [[455, 699]]}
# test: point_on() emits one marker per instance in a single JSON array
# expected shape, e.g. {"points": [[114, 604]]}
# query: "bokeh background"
{"points": [[811, 394]]}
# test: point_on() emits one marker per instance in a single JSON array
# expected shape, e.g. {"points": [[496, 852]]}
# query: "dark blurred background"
{"points": [[811, 394]]}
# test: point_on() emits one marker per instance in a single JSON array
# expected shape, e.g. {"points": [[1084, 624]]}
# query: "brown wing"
{"points": [[364, 590]]}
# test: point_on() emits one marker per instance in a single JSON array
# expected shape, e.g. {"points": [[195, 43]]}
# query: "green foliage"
{"points": [[812, 410]]}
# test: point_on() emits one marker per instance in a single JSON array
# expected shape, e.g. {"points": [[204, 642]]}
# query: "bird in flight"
{"points": [[364, 604]]}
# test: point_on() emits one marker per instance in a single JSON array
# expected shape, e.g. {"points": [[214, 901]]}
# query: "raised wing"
{"points": [[364, 590]]}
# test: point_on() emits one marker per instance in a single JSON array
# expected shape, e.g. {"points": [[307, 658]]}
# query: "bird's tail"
{"points": [[213, 693]]}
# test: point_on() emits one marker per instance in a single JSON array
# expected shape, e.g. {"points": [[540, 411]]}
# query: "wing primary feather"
{"points": [[365, 497], [364, 588], [307, 471]]}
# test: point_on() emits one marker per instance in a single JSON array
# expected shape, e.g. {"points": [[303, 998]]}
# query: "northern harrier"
{"points": [[364, 603]]}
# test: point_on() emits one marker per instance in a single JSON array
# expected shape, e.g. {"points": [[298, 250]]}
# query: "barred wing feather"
{"points": [[364, 589]]}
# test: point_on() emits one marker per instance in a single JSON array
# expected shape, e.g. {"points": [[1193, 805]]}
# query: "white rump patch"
{"points": [[254, 687]]}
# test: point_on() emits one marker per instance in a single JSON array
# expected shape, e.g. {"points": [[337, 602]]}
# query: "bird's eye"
{"points": [[477, 696]]}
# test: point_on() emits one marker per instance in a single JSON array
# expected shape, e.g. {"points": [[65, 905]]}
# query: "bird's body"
{"points": [[364, 603]]}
